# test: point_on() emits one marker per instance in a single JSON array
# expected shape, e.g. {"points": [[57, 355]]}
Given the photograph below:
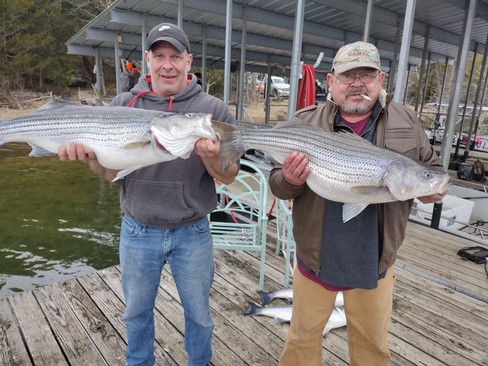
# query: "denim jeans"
{"points": [[143, 253]]}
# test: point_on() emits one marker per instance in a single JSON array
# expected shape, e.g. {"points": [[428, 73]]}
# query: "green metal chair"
{"points": [[239, 222], [285, 241]]}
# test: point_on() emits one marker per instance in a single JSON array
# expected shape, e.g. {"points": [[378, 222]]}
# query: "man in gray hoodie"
{"points": [[166, 205]]}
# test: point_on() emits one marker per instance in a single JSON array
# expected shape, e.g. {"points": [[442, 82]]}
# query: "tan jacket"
{"points": [[397, 129]]}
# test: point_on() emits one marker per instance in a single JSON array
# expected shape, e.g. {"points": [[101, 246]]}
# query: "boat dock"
{"points": [[440, 313]]}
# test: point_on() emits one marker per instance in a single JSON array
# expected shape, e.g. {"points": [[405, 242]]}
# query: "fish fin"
{"points": [[136, 145], [281, 320], [54, 104], [351, 210], [296, 122], [251, 309], [122, 173], [38, 151], [231, 143], [265, 297]]}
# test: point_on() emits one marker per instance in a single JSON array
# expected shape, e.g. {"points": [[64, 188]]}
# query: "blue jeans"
{"points": [[143, 253]]}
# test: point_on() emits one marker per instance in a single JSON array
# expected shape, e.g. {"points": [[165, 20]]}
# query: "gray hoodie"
{"points": [[178, 192]]}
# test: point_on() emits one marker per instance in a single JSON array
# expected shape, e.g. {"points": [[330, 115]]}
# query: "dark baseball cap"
{"points": [[170, 33]]}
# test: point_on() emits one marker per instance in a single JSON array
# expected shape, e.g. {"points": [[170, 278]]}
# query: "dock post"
{"points": [[436, 215]]}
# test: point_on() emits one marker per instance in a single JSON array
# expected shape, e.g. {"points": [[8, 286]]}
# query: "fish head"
{"points": [[407, 179], [177, 133]]}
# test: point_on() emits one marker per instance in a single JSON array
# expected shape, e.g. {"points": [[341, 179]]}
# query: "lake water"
{"points": [[57, 220]]}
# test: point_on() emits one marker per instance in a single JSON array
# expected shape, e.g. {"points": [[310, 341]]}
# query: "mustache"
{"points": [[355, 91]]}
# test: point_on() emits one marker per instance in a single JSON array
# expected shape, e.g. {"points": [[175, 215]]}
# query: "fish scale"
{"points": [[90, 125], [122, 138], [344, 167], [325, 162]]}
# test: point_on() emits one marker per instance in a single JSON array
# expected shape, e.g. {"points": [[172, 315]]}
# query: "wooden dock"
{"points": [[440, 314]]}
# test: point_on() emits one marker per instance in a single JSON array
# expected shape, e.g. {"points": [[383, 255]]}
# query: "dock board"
{"points": [[440, 314]]}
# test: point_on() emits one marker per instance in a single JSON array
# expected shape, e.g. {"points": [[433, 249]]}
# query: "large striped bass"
{"points": [[123, 138], [344, 167]]}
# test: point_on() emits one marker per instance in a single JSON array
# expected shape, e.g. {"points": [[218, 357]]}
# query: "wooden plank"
{"points": [[37, 333], [95, 324], [72, 338], [334, 352], [431, 324], [169, 348], [444, 270], [446, 322], [438, 257], [228, 330], [107, 301], [12, 348]]}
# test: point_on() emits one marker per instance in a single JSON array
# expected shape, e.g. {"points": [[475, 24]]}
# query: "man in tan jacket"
{"points": [[357, 256]]}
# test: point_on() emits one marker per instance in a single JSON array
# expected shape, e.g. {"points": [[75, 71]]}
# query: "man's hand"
{"points": [[76, 151], [295, 168], [209, 151]]}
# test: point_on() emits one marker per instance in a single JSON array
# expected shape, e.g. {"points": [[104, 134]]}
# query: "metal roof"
{"points": [[328, 24]]}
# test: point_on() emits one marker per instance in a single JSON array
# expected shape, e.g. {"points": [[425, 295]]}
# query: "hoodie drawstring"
{"points": [[138, 95]]}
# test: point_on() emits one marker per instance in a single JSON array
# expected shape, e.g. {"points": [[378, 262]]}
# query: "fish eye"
{"points": [[189, 115], [428, 174]]}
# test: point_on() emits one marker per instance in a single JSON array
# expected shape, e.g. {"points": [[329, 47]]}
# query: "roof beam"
{"points": [[135, 19], [390, 18]]}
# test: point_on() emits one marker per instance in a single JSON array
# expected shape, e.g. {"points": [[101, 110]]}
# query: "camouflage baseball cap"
{"points": [[354, 55]]}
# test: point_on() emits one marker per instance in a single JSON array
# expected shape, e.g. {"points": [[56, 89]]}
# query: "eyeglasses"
{"points": [[364, 77]]}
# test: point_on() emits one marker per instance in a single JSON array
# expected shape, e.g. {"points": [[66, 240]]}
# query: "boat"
{"points": [[464, 213]]}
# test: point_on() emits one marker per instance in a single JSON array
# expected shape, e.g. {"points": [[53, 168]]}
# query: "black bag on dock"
{"points": [[465, 171], [478, 255], [479, 171]]}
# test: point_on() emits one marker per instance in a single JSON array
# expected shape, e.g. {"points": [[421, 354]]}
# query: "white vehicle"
{"points": [[279, 88]]}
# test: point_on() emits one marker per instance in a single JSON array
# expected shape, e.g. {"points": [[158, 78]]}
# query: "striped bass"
{"points": [[282, 314], [122, 138], [344, 167], [287, 294]]}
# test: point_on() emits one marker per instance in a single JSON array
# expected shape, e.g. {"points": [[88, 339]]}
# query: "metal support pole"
{"points": [[468, 90], [295, 58], [242, 73], [456, 91], [394, 62], [404, 51], [444, 78], [475, 106], [436, 215], [144, 43], [367, 21], [204, 57], [267, 97], [99, 78], [118, 87], [422, 76], [180, 14], [228, 51], [426, 84]]}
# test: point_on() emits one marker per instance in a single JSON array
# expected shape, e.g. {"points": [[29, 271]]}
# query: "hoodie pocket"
{"points": [[156, 203]]}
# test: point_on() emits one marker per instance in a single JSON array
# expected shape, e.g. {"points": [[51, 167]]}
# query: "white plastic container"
{"points": [[456, 212]]}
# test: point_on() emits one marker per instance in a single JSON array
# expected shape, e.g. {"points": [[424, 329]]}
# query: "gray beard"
{"points": [[355, 109]]}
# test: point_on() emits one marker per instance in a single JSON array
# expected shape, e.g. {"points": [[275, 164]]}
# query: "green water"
{"points": [[57, 220]]}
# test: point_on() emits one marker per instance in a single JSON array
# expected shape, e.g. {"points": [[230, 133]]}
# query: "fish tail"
{"points": [[251, 309], [265, 297], [231, 143], [281, 320]]}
